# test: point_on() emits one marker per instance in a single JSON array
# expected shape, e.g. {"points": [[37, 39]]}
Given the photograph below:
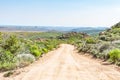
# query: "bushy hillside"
{"points": [[90, 30], [116, 25], [106, 46], [18, 49], [111, 34], [21, 49]]}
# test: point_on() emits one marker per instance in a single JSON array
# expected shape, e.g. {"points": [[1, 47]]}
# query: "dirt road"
{"points": [[65, 64]]}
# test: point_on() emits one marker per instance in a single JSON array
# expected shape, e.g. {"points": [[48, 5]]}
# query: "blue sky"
{"points": [[60, 12]]}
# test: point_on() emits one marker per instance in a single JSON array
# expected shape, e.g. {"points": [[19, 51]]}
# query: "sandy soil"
{"points": [[65, 64]]}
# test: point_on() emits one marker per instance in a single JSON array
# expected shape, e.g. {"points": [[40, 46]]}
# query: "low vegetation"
{"points": [[104, 46], [19, 49], [16, 52], [114, 55]]}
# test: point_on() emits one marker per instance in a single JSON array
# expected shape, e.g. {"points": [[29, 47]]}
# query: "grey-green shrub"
{"points": [[24, 59], [104, 46]]}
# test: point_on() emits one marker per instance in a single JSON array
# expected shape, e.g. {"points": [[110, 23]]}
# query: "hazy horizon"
{"points": [[67, 13], [54, 26]]}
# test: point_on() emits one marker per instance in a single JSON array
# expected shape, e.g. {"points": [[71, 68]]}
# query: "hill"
{"points": [[111, 34], [89, 30]]}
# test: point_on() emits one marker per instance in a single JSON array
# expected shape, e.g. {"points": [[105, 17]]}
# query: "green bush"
{"points": [[114, 55], [12, 44], [6, 56], [7, 66], [1, 37], [16, 51], [90, 41], [35, 50], [44, 50], [49, 47], [7, 60], [36, 53]]}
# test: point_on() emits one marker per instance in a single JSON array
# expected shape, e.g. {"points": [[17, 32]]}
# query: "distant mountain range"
{"points": [[89, 30], [50, 28]]}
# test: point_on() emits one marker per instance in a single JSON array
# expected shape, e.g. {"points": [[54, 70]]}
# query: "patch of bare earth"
{"points": [[65, 64]]}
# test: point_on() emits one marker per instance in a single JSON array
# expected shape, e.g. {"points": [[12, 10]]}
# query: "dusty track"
{"points": [[65, 64]]}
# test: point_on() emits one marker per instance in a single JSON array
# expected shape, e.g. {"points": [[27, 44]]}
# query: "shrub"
{"points": [[6, 56], [114, 55], [44, 50], [7, 66], [36, 53], [94, 52], [7, 60], [0, 37], [104, 46], [105, 54], [11, 44], [24, 59], [35, 50], [103, 37], [90, 41], [34, 47], [49, 47]]}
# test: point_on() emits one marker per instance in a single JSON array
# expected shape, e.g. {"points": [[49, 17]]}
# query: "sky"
{"points": [[68, 13]]}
